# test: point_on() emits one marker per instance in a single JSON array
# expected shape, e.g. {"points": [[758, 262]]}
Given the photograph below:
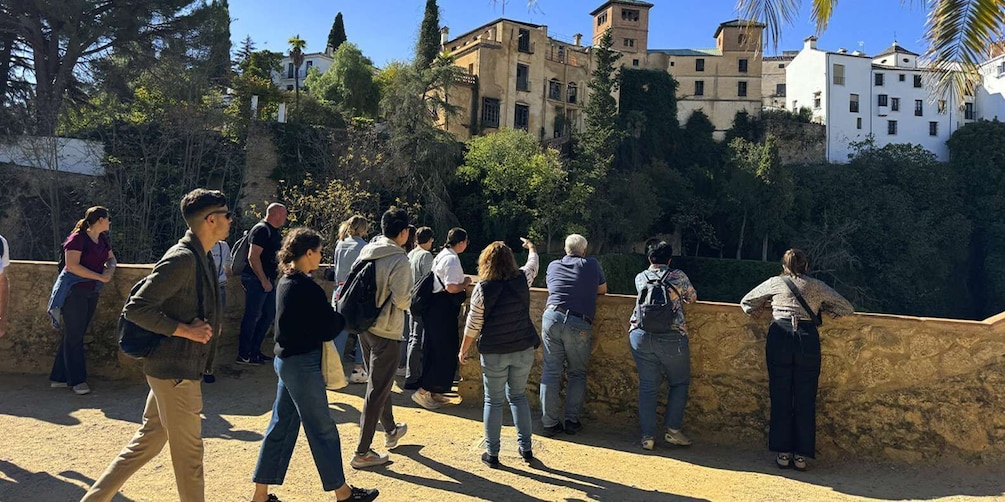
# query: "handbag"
{"points": [[139, 343], [331, 367], [814, 316]]}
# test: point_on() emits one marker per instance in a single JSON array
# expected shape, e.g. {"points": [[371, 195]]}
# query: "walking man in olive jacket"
{"points": [[168, 304]]}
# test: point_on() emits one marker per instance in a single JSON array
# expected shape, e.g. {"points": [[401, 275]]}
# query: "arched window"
{"points": [[572, 92], [554, 89], [741, 39]]}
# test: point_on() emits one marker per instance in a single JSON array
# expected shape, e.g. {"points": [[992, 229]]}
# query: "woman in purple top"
{"points": [[88, 255]]}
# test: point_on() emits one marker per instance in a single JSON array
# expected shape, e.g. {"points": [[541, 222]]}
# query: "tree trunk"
{"points": [[764, 248], [6, 52], [743, 229], [676, 241]]}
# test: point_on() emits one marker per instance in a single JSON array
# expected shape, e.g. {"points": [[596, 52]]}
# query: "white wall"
{"points": [[842, 124], [71, 155], [319, 60], [990, 96]]}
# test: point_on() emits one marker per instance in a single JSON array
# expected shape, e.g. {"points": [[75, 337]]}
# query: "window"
{"points": [[917, 80], [781, 65], [942, 107], [554, 89], [521, 117], [743, 66], [895, 104], [853, 103], [968, 111], [561, 53], [881, 100], [780, 90], [490, 112], [933, 128], [289, 71], [858, 123], [838, 74], [629, 42], [523, 42], [471, 69], [816, 101], [571, 92], [289, 87], [522, 77], [699, 87], [741, 89], [741, 39], [901, 77], [630, 15], [635, 62], [891, 127], [310, 64], [879, 80], [919, 108], [699, 64], [601, 19]]}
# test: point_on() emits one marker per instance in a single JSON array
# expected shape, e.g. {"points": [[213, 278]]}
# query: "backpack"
{"points": [[357, 301], [655, 309], [422, 294], [241, 249]]}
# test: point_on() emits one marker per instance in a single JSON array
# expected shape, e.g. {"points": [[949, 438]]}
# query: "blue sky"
{"points": [[387, 29]]}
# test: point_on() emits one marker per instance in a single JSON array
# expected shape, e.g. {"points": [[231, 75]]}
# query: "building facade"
{"points": [[519, 78], [286, 80], [889, 97], [773, 80]]}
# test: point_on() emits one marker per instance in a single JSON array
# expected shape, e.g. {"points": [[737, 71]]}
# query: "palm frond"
{"points": [[960, 34], [821, 14], [775, 14]]}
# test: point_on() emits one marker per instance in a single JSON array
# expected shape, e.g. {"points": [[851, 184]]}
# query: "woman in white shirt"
{"points": [[442, 337]]}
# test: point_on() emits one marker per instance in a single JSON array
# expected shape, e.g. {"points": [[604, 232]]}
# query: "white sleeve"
{"points": [[453, 273], [5, 261], [228, 261]]}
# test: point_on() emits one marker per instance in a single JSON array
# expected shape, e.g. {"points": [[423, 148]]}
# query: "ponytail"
{"points": [[91, 216], [296, 244], [81, 226]]}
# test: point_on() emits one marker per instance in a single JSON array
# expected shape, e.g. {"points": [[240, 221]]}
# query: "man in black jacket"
{"points": [[168, 304]]}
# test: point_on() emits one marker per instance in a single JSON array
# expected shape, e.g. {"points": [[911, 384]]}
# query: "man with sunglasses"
{"points": [[259, 281], [171, 303]]}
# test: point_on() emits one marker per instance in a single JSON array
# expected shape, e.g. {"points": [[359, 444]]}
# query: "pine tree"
{"points": [[429, 37], [244, 52], [601, 135], [337, 34]]}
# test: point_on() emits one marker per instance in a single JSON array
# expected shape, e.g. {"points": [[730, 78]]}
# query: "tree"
{"points": [[337, 34], [428, 45], [348, 84], [297, 45], [244, 52]]}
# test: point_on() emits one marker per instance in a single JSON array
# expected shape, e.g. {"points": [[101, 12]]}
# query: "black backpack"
{"points": [[241, 249], [655, 309], [357, 301], [422, 294]]}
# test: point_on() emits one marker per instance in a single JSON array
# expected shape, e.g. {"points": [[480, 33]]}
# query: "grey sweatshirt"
{"points": [[394, 279], [818, 295]]}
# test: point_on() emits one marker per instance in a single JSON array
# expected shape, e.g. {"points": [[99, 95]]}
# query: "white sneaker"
{"points": [[648, 443], [81, 388], [425, 400], [391, 438], [358, 377], [676, 437], [368, 459], [57, 385]]}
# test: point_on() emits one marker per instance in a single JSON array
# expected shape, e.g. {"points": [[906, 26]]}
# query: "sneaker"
{"points": [[440, 398], [528, 455], [208, 378], [368, 459], [81, 388], [391, 438], [783, 461], [247, 361], [57, 385], [361, 494], [401, 371], [573, 427], [676, 437], [272, 498], [490, 460], [264, 358], [358, 376], [799, 462], [425, 400], [648, 443], [552, 431]]}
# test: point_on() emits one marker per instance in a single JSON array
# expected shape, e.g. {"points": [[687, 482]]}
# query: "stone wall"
{"points": [[897, 388], [799, 143]]}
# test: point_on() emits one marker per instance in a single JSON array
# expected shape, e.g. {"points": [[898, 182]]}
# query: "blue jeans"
{"points": [[259, 312], [300, 397], [505, 376], [656, 355], [567, 340]]}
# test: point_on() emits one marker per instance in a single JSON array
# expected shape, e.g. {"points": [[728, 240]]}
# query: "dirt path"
{"points": [[54, 444]]}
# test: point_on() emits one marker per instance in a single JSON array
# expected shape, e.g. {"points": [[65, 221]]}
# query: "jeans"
{"points": [[70, 365], [505, 377], [654, 356], [340, 343], [300, 397], [380, 361], [413, 354], [567, 341], [259, 312], [793, 359]]}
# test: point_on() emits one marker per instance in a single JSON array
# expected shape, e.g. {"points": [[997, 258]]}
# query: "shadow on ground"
{"points": [[27, 485]]}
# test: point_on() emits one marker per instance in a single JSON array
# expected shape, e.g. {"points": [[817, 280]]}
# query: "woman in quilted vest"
{"points": [[499, 320]]}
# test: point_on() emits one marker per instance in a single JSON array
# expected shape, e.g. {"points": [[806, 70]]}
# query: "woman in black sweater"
{"points": [[304, 321]]}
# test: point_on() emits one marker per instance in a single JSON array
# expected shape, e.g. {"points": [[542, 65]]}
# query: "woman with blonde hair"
{"points": [[499, 320], [352, 237], [793, 354]]}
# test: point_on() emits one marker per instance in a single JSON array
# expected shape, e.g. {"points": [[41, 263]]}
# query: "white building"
{"points": [[889, 96], [285, 79], [990, 98]]}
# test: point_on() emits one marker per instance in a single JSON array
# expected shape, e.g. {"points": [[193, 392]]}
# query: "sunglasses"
{"points": [[228, 214]]}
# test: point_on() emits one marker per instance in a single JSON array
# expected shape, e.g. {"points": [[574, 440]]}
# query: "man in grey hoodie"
{"points": [[168, 304], [381, 343]]}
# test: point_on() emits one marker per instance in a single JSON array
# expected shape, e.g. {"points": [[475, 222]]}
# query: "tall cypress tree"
{"points": [[337, 35], [429, 37]]}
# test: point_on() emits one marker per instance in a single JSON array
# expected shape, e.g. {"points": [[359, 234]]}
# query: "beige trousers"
{"points": [[172, 415]]}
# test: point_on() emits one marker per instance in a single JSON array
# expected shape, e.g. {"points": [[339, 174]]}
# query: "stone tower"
{"points": [[628, 21]]}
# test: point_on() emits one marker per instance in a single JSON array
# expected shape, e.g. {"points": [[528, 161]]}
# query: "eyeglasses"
{"points": [[228, 214]]}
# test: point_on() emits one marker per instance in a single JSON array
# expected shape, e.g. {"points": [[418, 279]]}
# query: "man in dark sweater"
{"points": [[168, 304]]}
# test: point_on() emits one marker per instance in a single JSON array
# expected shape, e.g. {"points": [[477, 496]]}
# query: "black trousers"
{"points": [[793, 357], [380, 360], [78, 310], [441, 343]]}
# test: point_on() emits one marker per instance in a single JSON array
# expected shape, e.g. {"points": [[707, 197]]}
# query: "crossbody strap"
{"points": [[198, 284], [802, 301]]}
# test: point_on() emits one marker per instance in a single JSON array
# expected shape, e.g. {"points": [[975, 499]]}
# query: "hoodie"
{"points": [[394, 279]]}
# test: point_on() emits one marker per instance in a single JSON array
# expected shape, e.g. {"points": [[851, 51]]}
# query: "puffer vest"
{"points": [[507, 327]]}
